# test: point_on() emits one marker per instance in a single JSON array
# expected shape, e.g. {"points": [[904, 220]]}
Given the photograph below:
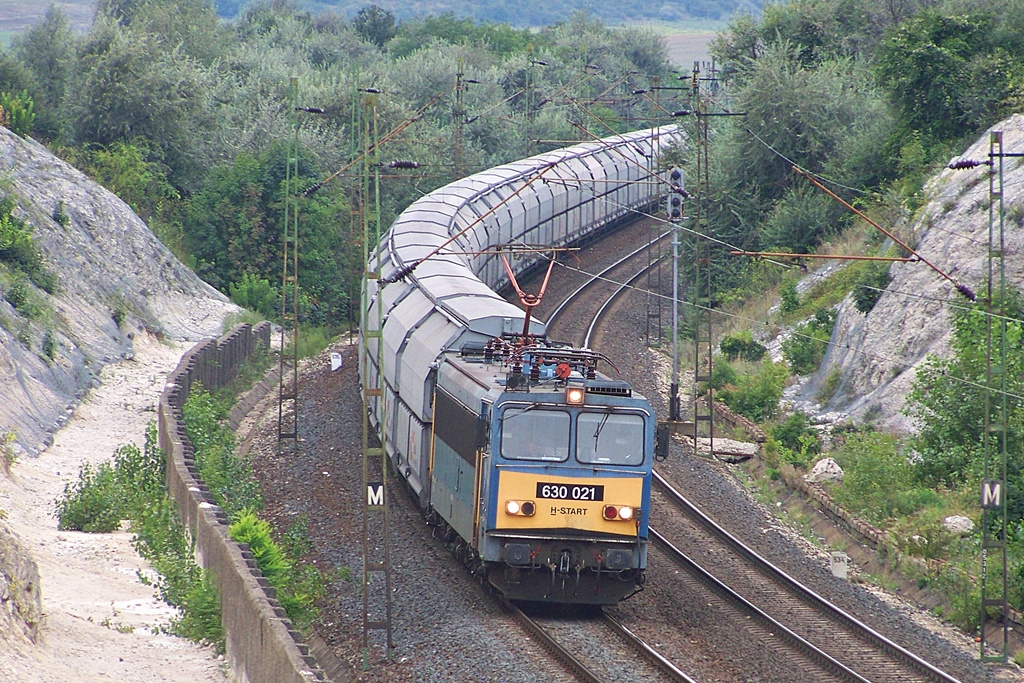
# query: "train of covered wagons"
{"points": [[534, 463]]}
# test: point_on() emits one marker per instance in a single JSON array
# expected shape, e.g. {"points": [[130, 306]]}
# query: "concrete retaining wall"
{"points": [[262, 644]]}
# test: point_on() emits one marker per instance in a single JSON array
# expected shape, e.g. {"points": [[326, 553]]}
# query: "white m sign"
{"points": [[991, 494], [375, 493]]}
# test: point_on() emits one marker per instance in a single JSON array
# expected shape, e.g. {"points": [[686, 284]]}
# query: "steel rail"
{"points": [[708, 579], [656, 657], [820, 603], [624, 287], [598, 277], [575, 666]]}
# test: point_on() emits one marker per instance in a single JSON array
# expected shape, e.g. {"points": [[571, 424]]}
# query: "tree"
{"points": [[48, 51], [947, 401], [233, 228], [131, 86], [375, 24], [925, 67]]}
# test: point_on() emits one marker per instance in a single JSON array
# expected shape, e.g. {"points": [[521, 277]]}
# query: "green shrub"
{"points": [[18, 250], [756, 395], [92, 503], [8, 456], [297, 587], [803, 455], [790, 432], [231, 481], [50, 344], [132, 487], [805, 348], [878, 480], [830, 385], [256, 294], [60, 215], [789, 300], [19, 294], [722, 374], [17, 112], [870, 285], [742, 346]]}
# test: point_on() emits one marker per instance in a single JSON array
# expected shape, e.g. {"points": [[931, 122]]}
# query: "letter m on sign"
{"points": [[375, 493], [991, 494]]}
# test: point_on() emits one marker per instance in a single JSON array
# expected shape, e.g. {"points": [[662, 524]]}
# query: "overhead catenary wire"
{"points": [[960, 287], [754, 321]]}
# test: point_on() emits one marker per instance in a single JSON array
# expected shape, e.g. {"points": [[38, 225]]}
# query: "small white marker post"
{"points": [[840, 564]]}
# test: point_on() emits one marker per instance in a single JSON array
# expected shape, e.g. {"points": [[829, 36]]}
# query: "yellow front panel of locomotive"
{"points": [[568, 511]]}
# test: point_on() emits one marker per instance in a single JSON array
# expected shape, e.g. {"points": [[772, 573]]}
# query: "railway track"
{"points": [[602, 290], [586, 644], [836, 640], [838, 644]]}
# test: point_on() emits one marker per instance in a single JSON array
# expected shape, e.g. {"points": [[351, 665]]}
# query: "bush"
{"points": [[132, 487], [92, 503], [742, 346], [297, 587], [231, 481], [757, 395], [256, 294], [870, 286], [791, 432], [722, 374], [49, 344], [789, 300], [61, 215], [805, 349], [878, 480], [17, 112]]}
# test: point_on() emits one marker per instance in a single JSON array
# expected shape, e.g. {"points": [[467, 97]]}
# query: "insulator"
{"points": [[404, 163], [312, 189], [963, 164], [399, 274], [535, 372], [591, 372], [682, 112], [966, 291]]}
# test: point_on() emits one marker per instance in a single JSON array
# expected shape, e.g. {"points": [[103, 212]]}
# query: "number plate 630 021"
{"points": [[569, 491]]}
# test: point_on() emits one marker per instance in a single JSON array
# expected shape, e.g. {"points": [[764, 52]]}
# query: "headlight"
{"points": [[520, 508], [574, 396], [622, 513]]}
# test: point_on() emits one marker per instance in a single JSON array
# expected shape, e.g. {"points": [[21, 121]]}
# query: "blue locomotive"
{"points": [[537, 466]]}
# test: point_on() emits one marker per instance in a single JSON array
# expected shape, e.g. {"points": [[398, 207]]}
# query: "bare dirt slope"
{"points": [[114, 276], [124, 311], [99, 622]]}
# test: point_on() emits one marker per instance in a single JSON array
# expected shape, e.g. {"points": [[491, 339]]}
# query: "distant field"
{"points": [[18, 15], [685, 44], [686, 48]]}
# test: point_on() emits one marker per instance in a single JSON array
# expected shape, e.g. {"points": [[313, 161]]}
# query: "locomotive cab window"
{"points": [[610, 439], [529, 434]]}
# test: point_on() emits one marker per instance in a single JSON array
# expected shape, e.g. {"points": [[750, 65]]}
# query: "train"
{"points": [[533, 461]]}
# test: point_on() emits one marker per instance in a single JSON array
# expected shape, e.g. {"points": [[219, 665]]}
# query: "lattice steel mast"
{"points": [[376, 537], [288, 367]]}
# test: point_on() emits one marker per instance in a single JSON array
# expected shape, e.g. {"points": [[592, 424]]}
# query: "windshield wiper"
{"points": [[516, 412], [600, 426]]}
